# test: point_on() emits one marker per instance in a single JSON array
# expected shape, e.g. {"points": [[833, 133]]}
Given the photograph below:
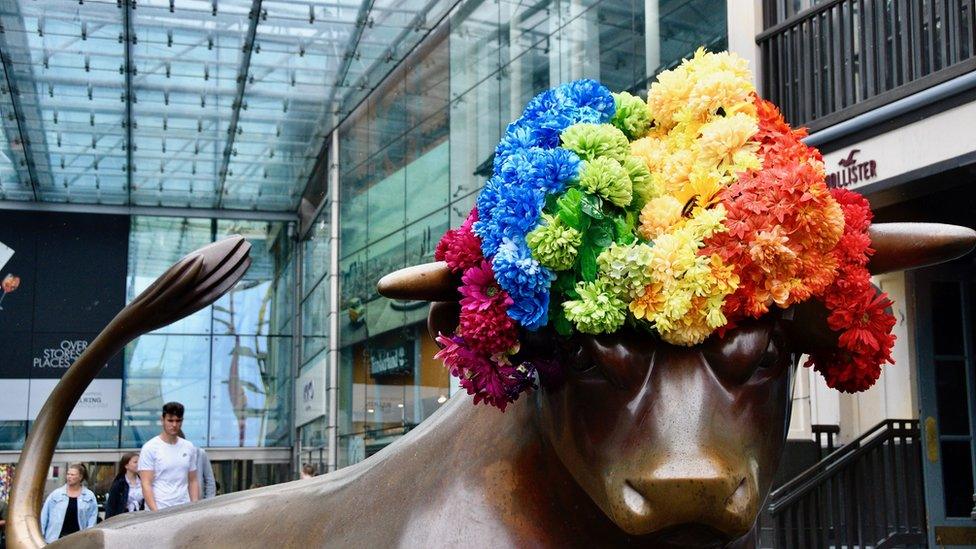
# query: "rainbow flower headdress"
{"points": [[682, 215]]}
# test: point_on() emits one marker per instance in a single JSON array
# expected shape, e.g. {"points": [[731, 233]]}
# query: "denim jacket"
{"points": [[56, 505]]}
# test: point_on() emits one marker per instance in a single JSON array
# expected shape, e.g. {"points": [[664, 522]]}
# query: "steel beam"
{"points": [[252, 30], [127, 26]]}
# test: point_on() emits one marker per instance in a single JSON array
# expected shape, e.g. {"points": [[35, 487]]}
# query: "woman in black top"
{"points": [[126, 491]]}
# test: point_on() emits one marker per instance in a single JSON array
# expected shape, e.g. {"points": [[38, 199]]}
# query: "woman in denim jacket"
{"points": [[71, 507]]}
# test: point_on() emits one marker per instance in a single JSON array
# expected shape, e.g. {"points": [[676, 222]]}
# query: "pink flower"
{"points": [[493, 380], [460, 247], [485, 324]]}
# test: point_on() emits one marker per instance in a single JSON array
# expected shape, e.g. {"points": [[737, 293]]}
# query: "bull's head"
{"points": [[679, 443]]}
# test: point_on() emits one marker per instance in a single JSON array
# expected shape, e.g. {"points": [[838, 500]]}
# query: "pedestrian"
{"points": [[208, 484], [168, 465], [71, 507], [125, 495], [308, 471]]}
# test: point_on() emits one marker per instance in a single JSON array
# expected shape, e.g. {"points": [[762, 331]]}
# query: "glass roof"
{"points": [[186, 103]]}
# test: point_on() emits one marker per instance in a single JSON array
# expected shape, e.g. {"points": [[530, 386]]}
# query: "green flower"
{"points": [[645, 188], [554, 244], [597, 311], [592, 141], [624, 270], [632, 116], [605, 177]]}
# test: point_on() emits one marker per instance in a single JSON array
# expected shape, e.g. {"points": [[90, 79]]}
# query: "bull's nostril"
{"points": [[634, 501], [738, 501]]}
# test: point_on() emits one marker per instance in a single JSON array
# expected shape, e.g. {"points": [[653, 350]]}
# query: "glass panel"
{"points": [[957, 478], [315, 321], [422, 238], [160, 369], [249, 307], [314, 434], [317, 252], [12, 435], [187, 61], [15, 183], [248, 401], [947, 318], [155, 243], [427, 182], [386, 205], [85, 434], [67, 67], [950, 387], [353, 208]]}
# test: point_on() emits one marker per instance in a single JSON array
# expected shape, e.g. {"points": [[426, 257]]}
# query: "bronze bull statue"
{"points": [[642, 444]]}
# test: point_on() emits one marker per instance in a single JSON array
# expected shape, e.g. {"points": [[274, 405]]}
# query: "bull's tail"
{"points": [[192, 283]]}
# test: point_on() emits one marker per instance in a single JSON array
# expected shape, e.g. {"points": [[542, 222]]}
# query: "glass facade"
{"points": [[230, 363], [414, 153]]}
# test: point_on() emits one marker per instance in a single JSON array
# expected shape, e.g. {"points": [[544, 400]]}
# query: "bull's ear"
{"points": [[443, 318], [427, 282], [900, 246], [805, 324]]}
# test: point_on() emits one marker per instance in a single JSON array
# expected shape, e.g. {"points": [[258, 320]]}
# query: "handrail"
{"points": [[842, 457], [831, 457]]}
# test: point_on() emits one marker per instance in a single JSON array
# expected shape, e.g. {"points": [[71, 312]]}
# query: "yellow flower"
{"points": [[726, 136], [703, 185], [658, 216], [650, 303], [652, 150]]}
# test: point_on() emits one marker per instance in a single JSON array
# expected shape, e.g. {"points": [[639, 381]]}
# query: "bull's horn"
{"points": [[427, 282], [900, 246]]}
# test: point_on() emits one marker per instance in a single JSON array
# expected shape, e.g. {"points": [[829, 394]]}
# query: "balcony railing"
{"points": [[842, 58]]}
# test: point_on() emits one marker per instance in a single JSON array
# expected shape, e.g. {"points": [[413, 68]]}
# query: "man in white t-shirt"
{"points": [[168, 464]]}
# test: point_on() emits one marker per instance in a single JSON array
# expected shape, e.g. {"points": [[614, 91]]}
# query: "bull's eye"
{"points": [[582, 365]]}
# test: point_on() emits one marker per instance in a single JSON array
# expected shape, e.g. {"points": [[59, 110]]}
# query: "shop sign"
{"points": [[310, 393], [386, 361], [855, 170]]}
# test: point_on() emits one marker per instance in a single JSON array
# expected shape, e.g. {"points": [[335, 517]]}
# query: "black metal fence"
{"points": [[844, 57], [866, 494]]}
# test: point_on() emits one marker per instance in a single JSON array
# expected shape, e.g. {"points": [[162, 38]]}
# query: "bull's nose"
{"points": [[724, 502]]}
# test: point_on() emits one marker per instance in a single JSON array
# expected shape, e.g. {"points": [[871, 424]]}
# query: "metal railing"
{"points": [[865, 494], [842, 58], [826, 438]]}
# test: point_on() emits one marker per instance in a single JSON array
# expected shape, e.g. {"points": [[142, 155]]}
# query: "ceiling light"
{"points": [[441, 399]]}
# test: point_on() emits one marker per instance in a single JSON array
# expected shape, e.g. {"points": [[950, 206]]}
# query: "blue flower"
{"points": [[590, 97], [556, 168], [516, 212], [525, 280], [518, 138], [541, 106]]}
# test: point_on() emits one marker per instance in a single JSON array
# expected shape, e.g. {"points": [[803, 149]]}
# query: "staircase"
{"points": [[865, 494]]}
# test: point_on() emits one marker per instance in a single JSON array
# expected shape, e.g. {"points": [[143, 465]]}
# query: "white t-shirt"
{"points": [[170, 464], [135, 496]]}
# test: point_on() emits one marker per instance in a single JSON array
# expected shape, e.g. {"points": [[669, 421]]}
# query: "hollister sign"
{"points": [[853, 171]]}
